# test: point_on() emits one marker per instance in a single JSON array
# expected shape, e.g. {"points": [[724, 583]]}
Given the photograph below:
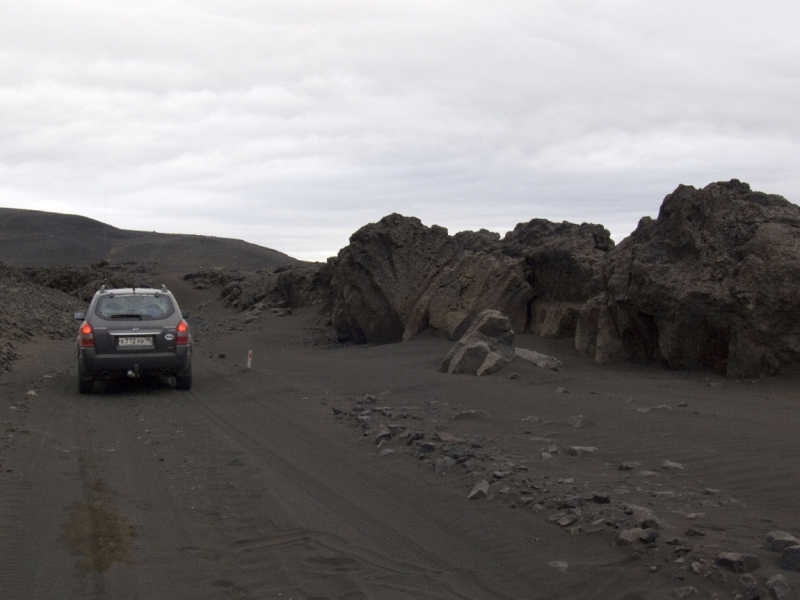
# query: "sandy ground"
{"points": [[271, 482]]}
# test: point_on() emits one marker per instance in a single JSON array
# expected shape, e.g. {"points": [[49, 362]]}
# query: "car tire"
{"points": [[85, 380], [86, 386], [183, 382]]}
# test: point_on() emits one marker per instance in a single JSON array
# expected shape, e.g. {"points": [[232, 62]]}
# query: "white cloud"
{"points": [[291, 124]]}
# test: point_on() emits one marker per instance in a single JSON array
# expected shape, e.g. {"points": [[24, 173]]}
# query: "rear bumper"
{"points": [[93, 365]]}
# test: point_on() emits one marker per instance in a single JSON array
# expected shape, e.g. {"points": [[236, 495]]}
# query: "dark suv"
{"points": [[133, 332]]}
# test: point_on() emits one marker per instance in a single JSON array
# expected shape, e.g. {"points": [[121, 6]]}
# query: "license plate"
{"points": [[135, 341]]}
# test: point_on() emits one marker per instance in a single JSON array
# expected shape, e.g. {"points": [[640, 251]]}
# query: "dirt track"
{"points": [[248, 487]]}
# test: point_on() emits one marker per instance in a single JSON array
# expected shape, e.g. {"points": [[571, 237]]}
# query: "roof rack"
{"points": [[164, 287]]}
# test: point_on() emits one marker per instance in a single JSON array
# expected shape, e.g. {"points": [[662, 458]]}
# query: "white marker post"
{"points": [[249, 359]]}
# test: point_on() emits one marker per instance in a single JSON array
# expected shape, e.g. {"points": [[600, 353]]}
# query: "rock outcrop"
{"points": [[486, 347], [714, 281], [398, 277], [563, 263], [284, 287]]}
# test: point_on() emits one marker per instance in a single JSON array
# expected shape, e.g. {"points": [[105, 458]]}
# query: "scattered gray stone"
{"points": [[383, 434], [628, 466], [778, 541], [441, 465], [471, 415], [538, 359], [645, 518], [448, 438], [426, 447], [637, 534], [547, 456], [581, 450], [571, 502], [385, 452], [779, 586], [748, 587], [601, 498], [684, 592], [532, 419], [692, 532], [790, 558], [561, 390], [671, 466], [479, 490], [569, 519], [579, 422], [414, 436], [739, 562], [559, 564]]}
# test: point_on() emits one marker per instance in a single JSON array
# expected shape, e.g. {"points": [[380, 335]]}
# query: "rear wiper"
{"points": [[125, 316]]}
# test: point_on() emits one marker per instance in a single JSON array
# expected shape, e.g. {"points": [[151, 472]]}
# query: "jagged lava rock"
{"points": [[398, 277], [714, 281], [564, 264]]}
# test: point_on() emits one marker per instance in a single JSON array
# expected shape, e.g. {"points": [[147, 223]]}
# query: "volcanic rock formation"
{"points": [[398, 277], [563, 263], [714, 281]]}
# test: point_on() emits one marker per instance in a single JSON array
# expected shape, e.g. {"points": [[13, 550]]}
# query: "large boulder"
{"points": [[398, 277], [563, 264], [485, 348], [714, 281]]}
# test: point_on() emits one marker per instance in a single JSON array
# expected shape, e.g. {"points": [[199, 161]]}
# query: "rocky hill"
{"points": [[30, 309], [30, 238]]}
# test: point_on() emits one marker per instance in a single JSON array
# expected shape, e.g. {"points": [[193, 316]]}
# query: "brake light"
{"points": [[86, 336], [182, 337]]}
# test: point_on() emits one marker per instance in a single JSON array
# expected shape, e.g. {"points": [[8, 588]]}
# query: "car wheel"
{"points": [[86, 386], [183, 382], [85, 380]]}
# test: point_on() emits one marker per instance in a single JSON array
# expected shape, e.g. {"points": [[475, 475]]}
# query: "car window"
{"points": [[134, 306]]}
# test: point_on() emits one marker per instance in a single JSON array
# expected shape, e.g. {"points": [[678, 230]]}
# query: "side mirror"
{"points": [[185, 314], [79, 316]]}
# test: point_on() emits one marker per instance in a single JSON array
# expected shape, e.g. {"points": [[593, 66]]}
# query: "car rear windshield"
{"points": [[143, 307]]}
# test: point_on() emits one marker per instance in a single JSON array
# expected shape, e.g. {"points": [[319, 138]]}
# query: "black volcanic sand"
{"points": [[265, 483]]}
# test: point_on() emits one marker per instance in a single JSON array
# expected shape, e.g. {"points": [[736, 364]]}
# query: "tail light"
{"points": [[86, 336], [182, 337]]}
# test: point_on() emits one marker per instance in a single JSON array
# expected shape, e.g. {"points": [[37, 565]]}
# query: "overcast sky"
{"points": [[290, 124]]}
